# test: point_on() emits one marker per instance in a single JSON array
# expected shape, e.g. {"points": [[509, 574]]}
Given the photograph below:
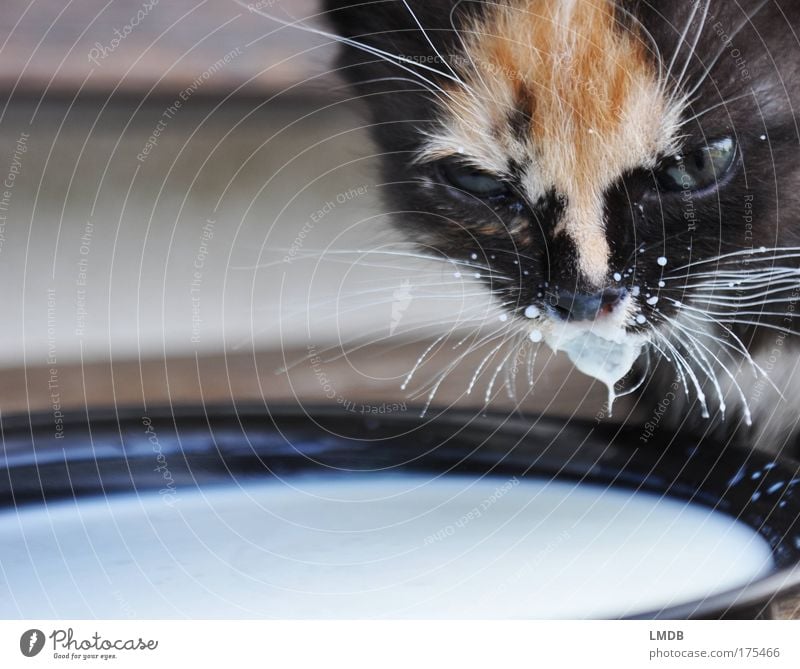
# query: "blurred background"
{"points": [[190, 208]]}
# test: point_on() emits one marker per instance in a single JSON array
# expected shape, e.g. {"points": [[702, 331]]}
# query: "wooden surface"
{"points": [[372, 374]]}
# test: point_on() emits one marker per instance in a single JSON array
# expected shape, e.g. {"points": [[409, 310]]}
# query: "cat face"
{"points": [[629, 165]]}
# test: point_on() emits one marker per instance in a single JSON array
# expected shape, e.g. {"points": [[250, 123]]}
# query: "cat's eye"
{"points": [[474, 181], [699, 169]]}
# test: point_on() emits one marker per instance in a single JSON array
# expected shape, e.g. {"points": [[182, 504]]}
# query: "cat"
{"points": [[623, 173]]}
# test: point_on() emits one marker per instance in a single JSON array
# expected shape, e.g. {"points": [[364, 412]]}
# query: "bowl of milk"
{"points": [[291, 512]]}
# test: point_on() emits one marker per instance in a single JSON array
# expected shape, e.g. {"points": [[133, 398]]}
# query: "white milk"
{"points": [[370, 546], [604, 359], [603, 350]]}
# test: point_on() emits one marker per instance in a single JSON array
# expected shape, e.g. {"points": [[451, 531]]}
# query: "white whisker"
{"points": [[698, 316], [421, 359], [722, 103], [745, 405], [726, 46], [693, 49], [754, 255], [701, 396], [674, 361], [701, 359]]}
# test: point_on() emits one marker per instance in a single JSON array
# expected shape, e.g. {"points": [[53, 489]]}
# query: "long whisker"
{"points": [[446, 373], [488, 395], [421, 359], [482, 340], [674, 361], [483, 363], [755, 255], [473, 264], [701, 359], [722, 103], [347, 346], [432, 45], [401, 61], [359, 305], [693, 49], [726, 45], [520, 333], [745, 404], [740, 302], [682, 39], [740, 280], [741, 349], [701, 396], [699, 316], [511, 372], [533, 353]]}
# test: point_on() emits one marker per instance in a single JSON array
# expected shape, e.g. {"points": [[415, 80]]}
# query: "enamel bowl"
{"points": [[289, 512]]}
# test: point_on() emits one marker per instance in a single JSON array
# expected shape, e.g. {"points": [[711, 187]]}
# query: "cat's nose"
{"points": [[580, 306]]}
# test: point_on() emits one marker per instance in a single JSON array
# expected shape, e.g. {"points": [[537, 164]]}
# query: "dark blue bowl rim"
{"points": [[107, 451]]}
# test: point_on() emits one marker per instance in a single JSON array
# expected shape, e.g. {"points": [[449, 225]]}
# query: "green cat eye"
{"points": [[474, 181], [700, 169]]}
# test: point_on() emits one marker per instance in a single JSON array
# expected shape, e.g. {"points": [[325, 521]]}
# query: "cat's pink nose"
{"points": [[580, 306]]}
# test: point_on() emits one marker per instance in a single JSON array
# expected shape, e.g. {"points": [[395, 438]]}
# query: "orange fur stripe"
{"points": [[591, 102]]}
